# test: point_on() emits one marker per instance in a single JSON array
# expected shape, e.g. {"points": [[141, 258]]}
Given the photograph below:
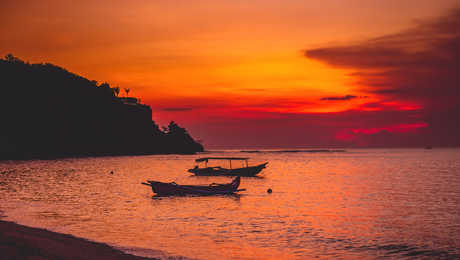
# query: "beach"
{"points": [[21, 242]]}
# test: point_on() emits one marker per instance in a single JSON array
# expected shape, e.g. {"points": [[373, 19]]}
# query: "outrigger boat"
{"points": [[219, 171], [166, 189]]}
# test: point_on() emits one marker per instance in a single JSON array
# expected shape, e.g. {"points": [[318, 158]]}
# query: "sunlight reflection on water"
{"points": [[357, 204]]}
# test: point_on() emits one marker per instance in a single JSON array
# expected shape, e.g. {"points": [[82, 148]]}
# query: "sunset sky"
{"points": [[263, 73]]}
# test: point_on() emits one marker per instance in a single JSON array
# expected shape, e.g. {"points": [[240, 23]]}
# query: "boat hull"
{"points": [[218, 171], [168, 189]]}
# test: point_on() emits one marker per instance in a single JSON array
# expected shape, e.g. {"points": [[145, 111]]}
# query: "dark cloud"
{"points": [[347, 97], [420, 63], [418, 66]]}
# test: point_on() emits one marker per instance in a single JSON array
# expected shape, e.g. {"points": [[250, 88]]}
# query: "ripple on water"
{"points": [[356, 204]]}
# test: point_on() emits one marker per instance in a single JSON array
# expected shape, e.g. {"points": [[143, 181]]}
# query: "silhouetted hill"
{"points": [[48, 112]]}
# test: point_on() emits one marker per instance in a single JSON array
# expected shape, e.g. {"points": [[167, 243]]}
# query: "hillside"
{"points": [[48, 112]]}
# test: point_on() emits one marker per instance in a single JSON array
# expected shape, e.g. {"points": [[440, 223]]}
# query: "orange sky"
{"points": [[203, 63]]}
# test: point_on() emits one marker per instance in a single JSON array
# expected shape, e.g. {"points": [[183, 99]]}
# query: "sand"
{"points": [[21, 242]]}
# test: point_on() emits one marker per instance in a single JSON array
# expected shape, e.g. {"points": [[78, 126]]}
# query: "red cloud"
{"points": [[417, 69]]}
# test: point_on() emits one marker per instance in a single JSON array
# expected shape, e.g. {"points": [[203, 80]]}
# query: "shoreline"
{"points": [[22, 242], [78, 156]]}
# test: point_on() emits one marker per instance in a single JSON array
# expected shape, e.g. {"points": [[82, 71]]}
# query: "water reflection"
{"points": [[356, 204], [234, 196]]}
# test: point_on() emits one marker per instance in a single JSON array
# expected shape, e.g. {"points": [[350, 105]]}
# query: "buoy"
{"points": [[269, 190]]}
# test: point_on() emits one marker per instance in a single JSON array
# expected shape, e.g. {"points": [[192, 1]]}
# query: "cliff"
{"points": [[48, 112]]}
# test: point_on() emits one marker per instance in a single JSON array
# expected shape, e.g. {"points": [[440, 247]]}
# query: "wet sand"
{"points": [[21, 242]]}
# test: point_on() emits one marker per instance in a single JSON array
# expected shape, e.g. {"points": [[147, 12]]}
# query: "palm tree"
{"points": [[127, 91]]}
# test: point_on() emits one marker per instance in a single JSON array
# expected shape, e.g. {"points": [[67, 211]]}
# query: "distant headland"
{"points": [[49, 112]]}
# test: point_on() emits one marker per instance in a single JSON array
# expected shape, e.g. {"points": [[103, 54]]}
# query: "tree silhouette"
{"points": [[10, 58], [127, 91], [116, 90], [104, 85], [175, 129]]}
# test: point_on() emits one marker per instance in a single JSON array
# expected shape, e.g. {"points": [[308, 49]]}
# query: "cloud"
{"points": [[415, 69], [420, 64], [347, 97]]}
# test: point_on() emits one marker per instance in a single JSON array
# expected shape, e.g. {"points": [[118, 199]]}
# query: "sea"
{"points": [[342, 204]]}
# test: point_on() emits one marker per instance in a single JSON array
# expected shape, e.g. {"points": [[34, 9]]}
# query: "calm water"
{"points": [[362, 204]]}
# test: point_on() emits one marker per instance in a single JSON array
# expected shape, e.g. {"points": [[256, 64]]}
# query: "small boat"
{"points": [[172, 188], [219, 171]]}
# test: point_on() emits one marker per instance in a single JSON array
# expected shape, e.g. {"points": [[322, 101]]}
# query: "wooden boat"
{"points": [[219, 171], [165, 189]]}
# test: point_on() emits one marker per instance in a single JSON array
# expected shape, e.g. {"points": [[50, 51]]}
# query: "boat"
{"points": [[219, 171], [172, 188]]}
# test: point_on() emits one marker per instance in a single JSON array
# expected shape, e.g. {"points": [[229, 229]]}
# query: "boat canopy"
{"points": [[206, 159]]}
